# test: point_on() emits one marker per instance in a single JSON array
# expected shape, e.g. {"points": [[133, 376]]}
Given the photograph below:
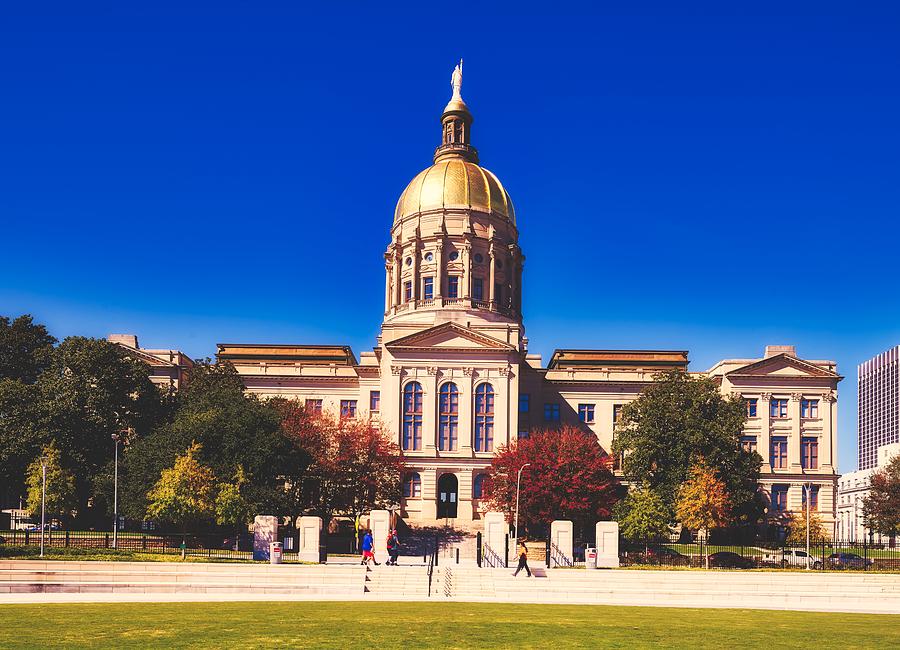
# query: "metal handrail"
{"points": [[431, 570], [490, 558], [558, 557]]}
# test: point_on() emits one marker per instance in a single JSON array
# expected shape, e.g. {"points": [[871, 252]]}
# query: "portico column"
{"points": [[466, 412], [794, 442], [398, 264], [416, 289], [829, 417], [764, 447], [467, 272], [388, 274], [430, 406]]}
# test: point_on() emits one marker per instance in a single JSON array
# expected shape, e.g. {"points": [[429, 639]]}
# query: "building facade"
{"points": [[169, 369], [451, 377], [853, 487], [879, 405]]}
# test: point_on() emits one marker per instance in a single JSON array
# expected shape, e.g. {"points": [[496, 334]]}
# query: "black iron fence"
{"points": [[823, 554]]}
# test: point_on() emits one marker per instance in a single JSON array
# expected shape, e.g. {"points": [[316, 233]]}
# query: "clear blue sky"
{"points": [[684, 178]]}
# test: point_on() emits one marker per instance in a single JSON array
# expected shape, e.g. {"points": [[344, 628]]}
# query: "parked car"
{"points": [[47, 526], [848, 561], [792, 557], [656, 554], [729, 560]]}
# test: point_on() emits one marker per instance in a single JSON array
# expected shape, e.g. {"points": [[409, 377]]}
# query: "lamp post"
{"points": [[116, 437], [43, 499], [518, 483]]}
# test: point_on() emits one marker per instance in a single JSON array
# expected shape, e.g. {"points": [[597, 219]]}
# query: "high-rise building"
{"points": [[879, 405]]}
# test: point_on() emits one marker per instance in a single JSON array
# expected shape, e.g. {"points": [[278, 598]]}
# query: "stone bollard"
{"points": [[607, 544], [265, 531], [561, 533], [310, 530], [380, 523]]}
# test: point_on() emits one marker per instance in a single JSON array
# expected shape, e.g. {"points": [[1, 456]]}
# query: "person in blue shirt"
{"points": [[368, 549]]}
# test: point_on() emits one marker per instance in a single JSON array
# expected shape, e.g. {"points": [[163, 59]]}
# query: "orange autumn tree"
{"points": [[703, 502]]}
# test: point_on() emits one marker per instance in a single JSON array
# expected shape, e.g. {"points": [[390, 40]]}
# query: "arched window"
{"points": [[448, 417], [478, 486], [484, 418], [412, 416], [412, 485]]}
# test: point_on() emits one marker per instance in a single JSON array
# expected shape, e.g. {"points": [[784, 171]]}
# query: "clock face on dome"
{"points": [[454, 256], [429, 257]]}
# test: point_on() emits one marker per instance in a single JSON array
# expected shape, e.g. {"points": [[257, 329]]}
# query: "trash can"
{"points": [[590, 558], [275, 553]]}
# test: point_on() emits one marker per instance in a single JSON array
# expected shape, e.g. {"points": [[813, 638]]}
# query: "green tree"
{"points": [[60, 485], [797, 528], [677, 420], [232, 508], [642, 515], [185, 493], [703, 503], [91, 391], [881, 508], [26, 349], [23, 432]]}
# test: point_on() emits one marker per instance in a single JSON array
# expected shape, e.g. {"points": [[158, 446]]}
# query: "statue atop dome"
{"points": [[456, 80]]}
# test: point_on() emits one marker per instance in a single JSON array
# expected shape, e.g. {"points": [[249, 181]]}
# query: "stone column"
{"points": [[429, 410], [439, 274], [466, 256], [388, 273], [492, 278], [416, 272], [561, 533], [794, 440], [467, 412], [398, 284], [607, 536], [764, 444], [829, 431], [310, 529]]}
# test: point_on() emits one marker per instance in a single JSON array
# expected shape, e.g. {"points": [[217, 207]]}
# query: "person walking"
{"points": [[368, 549], [393, 547], [523, 561]]}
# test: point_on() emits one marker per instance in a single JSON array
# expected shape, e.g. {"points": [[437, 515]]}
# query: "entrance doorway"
{"points": [[448, 492]]}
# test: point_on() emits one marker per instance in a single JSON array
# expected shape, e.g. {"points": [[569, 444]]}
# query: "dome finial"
{"points": [[456, 81]]}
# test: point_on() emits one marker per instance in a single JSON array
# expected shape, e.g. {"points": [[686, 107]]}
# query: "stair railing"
{"points": [[558, 557], [490, 558]]}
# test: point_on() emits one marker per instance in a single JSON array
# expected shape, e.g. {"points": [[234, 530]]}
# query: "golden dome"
{"points": [[455, 183]]}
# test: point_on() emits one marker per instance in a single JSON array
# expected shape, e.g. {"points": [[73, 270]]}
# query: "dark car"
{"points": [[729, 560], [667, 556], [848, 561]]}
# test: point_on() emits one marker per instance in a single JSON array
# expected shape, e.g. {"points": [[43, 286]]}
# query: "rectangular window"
{"points": [[348, 408], [524, 402], [809, 408], [453, 286], [751, 407], [427, 288], [407, 291], [748, 443], [375, 401], [551, 412], [477, 289], [778, 408], [523, 433], [809, 453], [313, 406], [778, 456], [586, 413], [779, 498], [617, 412], [813, 497]]}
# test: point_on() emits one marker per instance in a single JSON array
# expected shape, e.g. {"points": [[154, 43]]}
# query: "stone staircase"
{"points": [[34, 576], [398, 582]]}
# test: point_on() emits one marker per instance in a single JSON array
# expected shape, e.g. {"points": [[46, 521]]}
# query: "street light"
{"points": [[808, 487], [116, 438], [518, 483], [43, 499]]}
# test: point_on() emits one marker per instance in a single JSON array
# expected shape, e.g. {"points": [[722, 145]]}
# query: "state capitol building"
{"points": [[451, 379]]}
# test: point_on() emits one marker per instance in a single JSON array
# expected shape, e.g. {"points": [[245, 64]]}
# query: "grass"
{"points": [[430, 625]]}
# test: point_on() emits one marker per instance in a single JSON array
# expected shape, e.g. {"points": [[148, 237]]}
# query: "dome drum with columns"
{"points": [[454, 242]]}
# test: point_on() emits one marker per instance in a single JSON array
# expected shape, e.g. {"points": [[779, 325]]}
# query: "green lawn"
{"points": [[425, 625]]}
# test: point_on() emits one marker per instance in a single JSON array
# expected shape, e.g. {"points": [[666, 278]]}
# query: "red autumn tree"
{"points": [[354, 467], [569, 477]]}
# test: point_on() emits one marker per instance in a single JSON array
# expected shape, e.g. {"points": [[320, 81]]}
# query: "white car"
{"points": [[793, 557]]}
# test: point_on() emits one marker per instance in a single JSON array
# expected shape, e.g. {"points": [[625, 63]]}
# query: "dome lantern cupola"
{"points": [[456, 125]]}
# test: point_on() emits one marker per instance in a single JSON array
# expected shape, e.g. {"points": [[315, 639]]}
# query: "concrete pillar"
{"points": [[265, 531], [607, 536], [380, 524], [310, 529], [561, 547]]}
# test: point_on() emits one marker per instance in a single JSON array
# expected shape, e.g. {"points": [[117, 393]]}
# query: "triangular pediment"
{"points": [[781, 365], [149, 359], [450, 336]]}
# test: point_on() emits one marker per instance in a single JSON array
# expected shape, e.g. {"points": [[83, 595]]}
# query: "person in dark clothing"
{"points": [[523, 561], [393, 547]]}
